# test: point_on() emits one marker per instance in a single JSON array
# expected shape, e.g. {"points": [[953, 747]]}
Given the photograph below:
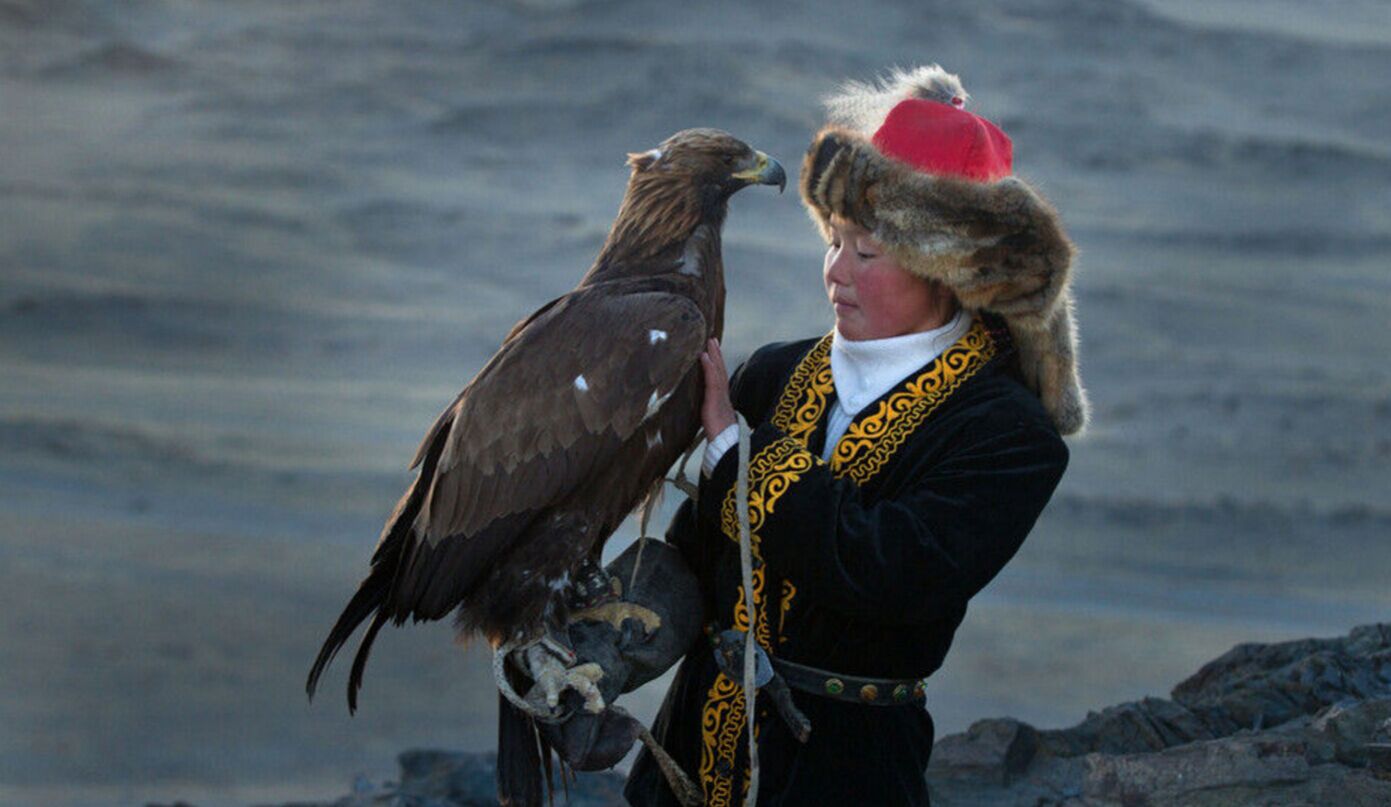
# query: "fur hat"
{"points": [[903, 159]]}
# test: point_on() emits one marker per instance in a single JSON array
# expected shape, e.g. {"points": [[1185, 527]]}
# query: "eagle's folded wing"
{"points": [[556, 402]]}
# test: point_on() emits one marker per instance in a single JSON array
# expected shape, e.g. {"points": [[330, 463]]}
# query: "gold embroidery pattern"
{"points": [[724, 706], [741, 610], [789, 592], [771, 472], [870, 441], [804, 398]]}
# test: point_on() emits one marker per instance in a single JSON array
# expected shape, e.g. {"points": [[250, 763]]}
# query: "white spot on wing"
{"points": [[581, 384], [561, 582], [655, 401], [654, 336], [654, 439]]}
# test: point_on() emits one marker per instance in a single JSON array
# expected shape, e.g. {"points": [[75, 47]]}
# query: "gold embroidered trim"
{"points": [[789, 592], [724, 706], [741, 610], [871, 440], [771, 472], [804, 398]]}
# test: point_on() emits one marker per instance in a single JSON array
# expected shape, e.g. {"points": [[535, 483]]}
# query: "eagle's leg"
{"points": [[592, 585], [598, 596], [551, 666]]}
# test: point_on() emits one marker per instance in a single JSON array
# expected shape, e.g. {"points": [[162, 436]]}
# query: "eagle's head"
{"points": [[680, 185], [712, 163]]}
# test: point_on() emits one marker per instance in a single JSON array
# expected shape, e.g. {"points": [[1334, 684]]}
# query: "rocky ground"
{"points": [[1279, 725], [1296, 723]]}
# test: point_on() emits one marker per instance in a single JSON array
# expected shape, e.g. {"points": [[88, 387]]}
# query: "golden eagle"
{"points": [[571, 423]]}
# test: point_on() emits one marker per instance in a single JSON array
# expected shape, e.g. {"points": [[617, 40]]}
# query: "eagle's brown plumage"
{"points": [[584, 407]]}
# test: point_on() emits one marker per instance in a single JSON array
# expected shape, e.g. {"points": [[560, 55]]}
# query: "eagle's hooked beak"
{"points": [[765, 171]]}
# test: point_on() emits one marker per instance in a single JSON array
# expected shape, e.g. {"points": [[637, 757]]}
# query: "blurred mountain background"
{"points": [[249, 250]]}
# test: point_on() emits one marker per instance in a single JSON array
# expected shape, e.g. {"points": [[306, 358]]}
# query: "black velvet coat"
{"points": [[863, 565]]}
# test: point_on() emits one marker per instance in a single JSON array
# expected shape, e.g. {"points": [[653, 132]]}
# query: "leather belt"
{"points": [[851, 688]]}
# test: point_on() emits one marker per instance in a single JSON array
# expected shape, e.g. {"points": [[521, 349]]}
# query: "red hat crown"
{"points": [[943, 139]]}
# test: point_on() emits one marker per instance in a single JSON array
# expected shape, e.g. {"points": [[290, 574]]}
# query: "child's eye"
{"points": [[866, 256]]}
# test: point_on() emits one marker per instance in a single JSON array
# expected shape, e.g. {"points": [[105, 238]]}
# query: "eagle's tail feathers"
{"points": [[376, 594], [367, 600], [519, 781], [360, 660]]}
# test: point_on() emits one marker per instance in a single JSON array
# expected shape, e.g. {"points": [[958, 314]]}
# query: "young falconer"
{"points": [[896, 464]]}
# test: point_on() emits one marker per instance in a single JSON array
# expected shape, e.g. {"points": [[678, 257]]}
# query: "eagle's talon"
{"points": [[584, 679], [553, 674]]}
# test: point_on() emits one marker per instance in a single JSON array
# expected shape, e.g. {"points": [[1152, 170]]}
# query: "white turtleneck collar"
{"points": [[865, 370], [862, 371]]}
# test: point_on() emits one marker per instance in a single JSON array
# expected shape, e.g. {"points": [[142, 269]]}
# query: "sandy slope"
{"points": [[248, 250]]}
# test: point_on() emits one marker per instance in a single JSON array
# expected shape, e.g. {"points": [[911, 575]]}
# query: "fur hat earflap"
{"points": [[931, 182]]}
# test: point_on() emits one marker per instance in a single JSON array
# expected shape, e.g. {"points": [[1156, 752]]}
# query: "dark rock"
{"points": [[1296, 723], [1252, 686], [997, 751], [1349, 728], [456, 779], [1379, 760], [467, 780], [1151, 724], [1255, 685], [1235, 763], [1231, 772]]}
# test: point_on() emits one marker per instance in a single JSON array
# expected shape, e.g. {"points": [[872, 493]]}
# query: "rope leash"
{"points": [[500, 654], [686, 791], [680, 783], [741, 494]]}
